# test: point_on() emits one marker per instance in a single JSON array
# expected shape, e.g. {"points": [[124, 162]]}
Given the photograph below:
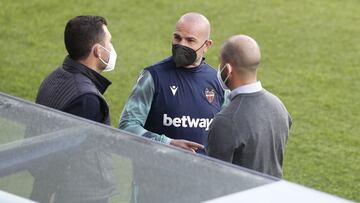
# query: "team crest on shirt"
{"points": [[210, 94]]}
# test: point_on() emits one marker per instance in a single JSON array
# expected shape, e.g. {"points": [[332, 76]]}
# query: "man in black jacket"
{"points": [[77, 87]]}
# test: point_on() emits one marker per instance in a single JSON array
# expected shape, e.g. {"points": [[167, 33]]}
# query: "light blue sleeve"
{"points": [[137, 108], [226, 99]]}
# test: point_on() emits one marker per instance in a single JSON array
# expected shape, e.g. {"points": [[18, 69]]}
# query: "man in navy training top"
{"points": [[174, 102], [176, 99]]}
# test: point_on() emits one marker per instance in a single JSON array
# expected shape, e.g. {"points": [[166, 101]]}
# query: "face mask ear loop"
{"points": [[101, 58], [104, 48], [201, 46], [103, 61], [228, 75], [221, 69]]}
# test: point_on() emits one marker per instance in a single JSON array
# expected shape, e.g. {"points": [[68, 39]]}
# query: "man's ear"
{"points": [[96, 51], [208, 44], [230, 68]]}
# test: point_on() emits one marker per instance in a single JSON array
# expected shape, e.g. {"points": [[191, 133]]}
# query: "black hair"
{"points": [[81, 33]]}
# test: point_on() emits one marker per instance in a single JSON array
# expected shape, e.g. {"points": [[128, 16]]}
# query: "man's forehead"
{"points": [[184, 34], [107, 32], [188, 30]]}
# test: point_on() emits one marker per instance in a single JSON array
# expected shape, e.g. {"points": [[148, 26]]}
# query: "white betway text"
{"points": [[187, 122]]}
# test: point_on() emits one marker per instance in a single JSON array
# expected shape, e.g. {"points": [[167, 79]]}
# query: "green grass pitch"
{"points": [[310, 59]]}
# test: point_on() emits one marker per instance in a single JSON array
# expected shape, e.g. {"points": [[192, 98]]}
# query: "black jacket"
{"points": [[76, 89], [87, 174]]}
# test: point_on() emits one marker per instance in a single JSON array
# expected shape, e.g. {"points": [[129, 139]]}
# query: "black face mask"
{"points": [[183, 55]]}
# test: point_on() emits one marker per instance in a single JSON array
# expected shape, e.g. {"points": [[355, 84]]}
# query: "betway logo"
{"points": [[187, 122]]}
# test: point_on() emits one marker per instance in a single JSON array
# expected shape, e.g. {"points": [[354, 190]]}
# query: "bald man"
{"points": [[175, 100], [252, 131]]}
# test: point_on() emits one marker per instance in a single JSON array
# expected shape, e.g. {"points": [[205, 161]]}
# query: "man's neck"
{"points": [[90, 64], [243, 81]]}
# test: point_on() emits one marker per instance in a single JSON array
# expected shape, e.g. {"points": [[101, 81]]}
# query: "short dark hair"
{"points": [[81, 33]]}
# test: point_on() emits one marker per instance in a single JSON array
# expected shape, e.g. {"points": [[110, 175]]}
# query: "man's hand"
{"points": [[187, 145]]}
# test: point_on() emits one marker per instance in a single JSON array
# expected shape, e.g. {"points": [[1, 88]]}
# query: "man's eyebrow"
{"points": [[191, 38], [186, 37]]}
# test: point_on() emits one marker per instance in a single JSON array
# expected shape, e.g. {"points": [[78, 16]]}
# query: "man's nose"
{"points": [[183, 42]]}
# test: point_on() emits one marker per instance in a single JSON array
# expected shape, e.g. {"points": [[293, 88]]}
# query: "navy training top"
{"points": [[185, 101]]}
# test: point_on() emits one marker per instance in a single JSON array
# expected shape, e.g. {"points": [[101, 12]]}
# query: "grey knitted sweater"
{"points": [[251, 132]]}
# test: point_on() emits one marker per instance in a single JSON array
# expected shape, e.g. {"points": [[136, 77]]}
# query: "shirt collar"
{"points": [[100, 81], [246, 89]]}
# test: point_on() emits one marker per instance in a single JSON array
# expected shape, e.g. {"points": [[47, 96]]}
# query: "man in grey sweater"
{"points": [[252, 131]]}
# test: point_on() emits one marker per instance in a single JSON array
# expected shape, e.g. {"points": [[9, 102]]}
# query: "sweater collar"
{"points": [[100, 81]]}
